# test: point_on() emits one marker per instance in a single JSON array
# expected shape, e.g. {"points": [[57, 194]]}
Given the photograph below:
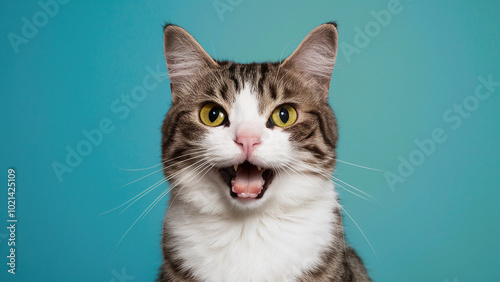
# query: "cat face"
{"points": [[243, 135]]}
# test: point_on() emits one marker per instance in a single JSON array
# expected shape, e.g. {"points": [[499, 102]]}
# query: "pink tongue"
{"points": [[248, 182]]}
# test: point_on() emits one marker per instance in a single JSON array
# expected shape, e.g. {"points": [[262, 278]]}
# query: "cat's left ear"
{"points": [[315, 56], [185, 57]]}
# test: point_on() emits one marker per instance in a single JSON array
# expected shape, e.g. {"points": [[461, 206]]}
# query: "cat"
{"points": [[248, 150]]}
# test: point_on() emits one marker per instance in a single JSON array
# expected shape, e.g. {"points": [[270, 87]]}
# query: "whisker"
{"points": [[157, 183], [149, 189], [156, 171], [139, 169], [211, 166], [360, 230], [321, 173], [215, 55], [140, 216], [282, 52], [354, 193], [170, 189], [327, 176], [335, 178], [303, 175], [313, 169], [343, 233], [157, 200], [128, 230], [182, 187], [170, 177], [173, 200], [190, 152], [154, 187], [365, 167]]}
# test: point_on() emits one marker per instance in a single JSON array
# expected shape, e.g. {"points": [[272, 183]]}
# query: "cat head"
{"points": [[243, 136]]}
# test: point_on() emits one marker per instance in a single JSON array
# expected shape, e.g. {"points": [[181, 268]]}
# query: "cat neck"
{"points": [[237, 247]]}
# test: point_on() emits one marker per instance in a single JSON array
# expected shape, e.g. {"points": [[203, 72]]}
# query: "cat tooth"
{"points": [[235, 167], [259, 168]]}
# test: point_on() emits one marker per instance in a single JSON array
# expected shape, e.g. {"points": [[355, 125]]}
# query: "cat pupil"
{"points": [[284, 116], [214, 114]]}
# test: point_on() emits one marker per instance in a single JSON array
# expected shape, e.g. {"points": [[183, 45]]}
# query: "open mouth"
{"points": [[247, 181]]}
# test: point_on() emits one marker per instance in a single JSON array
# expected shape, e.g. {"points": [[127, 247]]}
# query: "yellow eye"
{"points": [[284, 116], [212, 114]]}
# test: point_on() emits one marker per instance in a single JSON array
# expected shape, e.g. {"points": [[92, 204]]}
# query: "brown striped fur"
{"points": [[315, 132]]}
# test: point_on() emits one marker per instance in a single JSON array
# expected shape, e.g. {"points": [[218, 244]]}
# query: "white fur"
{"points": [[274, 238]]}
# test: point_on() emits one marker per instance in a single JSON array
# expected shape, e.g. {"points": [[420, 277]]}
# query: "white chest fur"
{"points": [[275, 245]]}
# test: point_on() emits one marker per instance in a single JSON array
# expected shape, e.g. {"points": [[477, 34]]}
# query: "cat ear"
{"points": [[184, 56], [315, 56]]}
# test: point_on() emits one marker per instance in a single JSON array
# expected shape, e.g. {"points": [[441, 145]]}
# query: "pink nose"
{"points": [[248, 137], [248, 143]]}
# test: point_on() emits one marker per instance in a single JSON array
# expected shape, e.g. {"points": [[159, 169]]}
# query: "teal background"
{"points": [[441, 224]]}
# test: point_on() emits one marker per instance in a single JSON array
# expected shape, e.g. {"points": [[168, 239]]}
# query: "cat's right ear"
{"points": [[184, 56]]}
